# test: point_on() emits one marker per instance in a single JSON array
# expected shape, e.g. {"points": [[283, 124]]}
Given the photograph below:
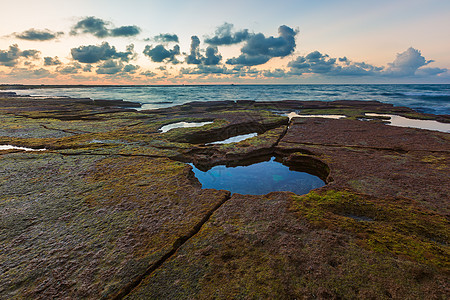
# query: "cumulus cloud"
{"points": [[259, 49], [160, 54], [225, 36], [430, 71], [110, 67], [277, 73], [95, 53], [166, 38], [38, 35], [13, 55], [131, 69], [50, 61], [318, 63], [99, 28], [407, 63], [205, 70], [148, 74], [70, 69], [26, 73], [195, 57]]}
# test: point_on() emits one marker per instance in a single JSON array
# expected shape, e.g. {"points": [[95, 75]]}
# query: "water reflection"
{"points": [[258, 179]]}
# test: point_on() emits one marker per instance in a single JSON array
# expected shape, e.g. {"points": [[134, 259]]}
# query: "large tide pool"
{"points": [[258, 179]]}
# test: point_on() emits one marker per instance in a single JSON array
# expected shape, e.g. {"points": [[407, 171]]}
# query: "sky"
{"points": [[223, 42]]}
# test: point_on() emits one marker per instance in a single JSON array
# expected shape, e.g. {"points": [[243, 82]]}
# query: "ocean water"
{"points": [[427, 98]]}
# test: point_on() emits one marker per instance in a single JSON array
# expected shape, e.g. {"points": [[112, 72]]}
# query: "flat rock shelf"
{"points": [[113, 210]]}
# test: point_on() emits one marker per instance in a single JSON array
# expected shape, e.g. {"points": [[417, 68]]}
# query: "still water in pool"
{"points": [[258, 179]]}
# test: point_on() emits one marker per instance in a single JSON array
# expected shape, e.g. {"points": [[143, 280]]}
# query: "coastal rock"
{"points": [[111, 209]]}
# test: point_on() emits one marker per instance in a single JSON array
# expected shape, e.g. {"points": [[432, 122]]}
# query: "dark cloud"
{"points": [[194, 56], [318, 63], [277, 73], [99, 28], [110, 67], [406, 63], [70, 69], [93, 53], [148, 74], [258, 49], [131, 69], [205, 70], [87, 68], [225, 36], [125, 31], [212, 55], [50, 61], [38, 35], [12, 56], [160, 54], [166, 38], [24, 73]]}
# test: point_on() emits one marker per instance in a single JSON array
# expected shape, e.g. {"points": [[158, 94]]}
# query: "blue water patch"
{"points": [[258, 179]]}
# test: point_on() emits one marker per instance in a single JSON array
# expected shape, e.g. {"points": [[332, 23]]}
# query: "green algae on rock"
{"points": [[111, 210]]}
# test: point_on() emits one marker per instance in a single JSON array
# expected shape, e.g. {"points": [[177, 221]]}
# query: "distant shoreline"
{"points": [[50, 86]]}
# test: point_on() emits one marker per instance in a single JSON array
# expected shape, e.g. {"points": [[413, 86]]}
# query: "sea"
{"points": [[426, 98]]}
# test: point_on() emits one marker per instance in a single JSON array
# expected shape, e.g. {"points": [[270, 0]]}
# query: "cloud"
{"points": [[95, 53], [277, 73], [205, 70], [160, 54], [110, 67], [430, 71], [38, 35], [318, 63], [26, 73], [99, 28], [50, 61], [131, 69], [225, 36], [125, 31], [258, 49], [13, 55], [212, 55], [70, 69], [148, 74], [407, 63], [166, 38]]}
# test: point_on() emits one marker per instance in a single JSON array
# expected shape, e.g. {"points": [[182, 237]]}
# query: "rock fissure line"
{"points": [[65, 130], [110, 154], [176, 245]]}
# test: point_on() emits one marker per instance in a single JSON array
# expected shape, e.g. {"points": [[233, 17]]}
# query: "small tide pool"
{"points": [[10, 147], [234, 139], [258, 179], [400, 121], [168, 127]]}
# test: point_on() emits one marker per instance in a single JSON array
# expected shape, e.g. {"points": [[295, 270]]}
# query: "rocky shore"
{"points": [[111, 209]]}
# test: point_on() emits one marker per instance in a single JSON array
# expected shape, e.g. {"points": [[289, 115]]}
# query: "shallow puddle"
{"points": [[235, 139], [168, 127], [414, 123], [9, 147], [258, 179], [296, 115]]}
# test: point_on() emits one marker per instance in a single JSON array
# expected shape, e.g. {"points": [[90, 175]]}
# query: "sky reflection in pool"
{"points": [[258, 179], [168, 127], [234, 139], [414, 123]]}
